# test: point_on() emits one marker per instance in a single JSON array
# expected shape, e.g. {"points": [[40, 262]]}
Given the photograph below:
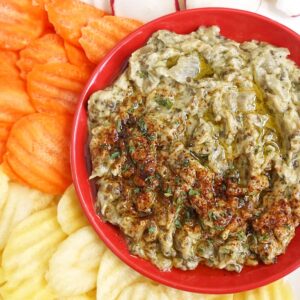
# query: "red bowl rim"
{"points": [[91, 214]]}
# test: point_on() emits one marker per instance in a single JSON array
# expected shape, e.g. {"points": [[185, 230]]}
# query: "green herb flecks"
{"points": [[165, 102], [142, 126], [131, 149], [177, 223], [186, 162], [119, 126], [115, 155], [212, 216], [136, 190], [202, 158], [143, 74], [168, 193], [152, 229], [193, 192]]}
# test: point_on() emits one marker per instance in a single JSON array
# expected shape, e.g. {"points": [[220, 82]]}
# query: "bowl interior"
{"points": [[234, 24]]}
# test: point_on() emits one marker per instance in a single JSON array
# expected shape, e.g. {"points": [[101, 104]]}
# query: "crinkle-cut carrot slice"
{"points": [[47, 49], [20, 23], [14, 101], [56, 87], [4, 131], [101, 35], [77, 56], [9, 171], [2, 150], [8, 66], [38, 151], [69, 16]]}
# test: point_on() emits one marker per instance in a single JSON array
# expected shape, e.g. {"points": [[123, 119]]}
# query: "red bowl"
{"points": [[237, 25]]}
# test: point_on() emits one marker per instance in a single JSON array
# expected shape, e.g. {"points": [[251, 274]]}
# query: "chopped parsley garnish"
{"points": [[115, 155], [186, 162], [142, 126], [131, 149], [177, 223], [143, 74], [177, 180], [179, 201], [265, 237], [202, 158], [217, 227], [212, 216], [137, 190], [168, 193], [151, 137], [193, 192], [165, 102], [119, 126], [241, 235], [151, 229]]}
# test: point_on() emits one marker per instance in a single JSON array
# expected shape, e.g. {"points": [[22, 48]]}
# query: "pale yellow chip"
{"points": [[73, 267], [34, 288], [114, 276], [143, 291], [174, 294], [88, 296], [21, 202], [279, 290], [4, 179], [28, 250], [69, 212]]}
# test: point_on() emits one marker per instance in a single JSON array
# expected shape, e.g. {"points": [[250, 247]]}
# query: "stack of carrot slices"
{"points": [[48, 50]]}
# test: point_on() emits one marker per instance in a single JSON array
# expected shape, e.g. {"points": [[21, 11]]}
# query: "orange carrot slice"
{"points": [[4, 132], [69, 16], [14, 101], [56, 87], [9, 171], [101, 35], [8, 66], [20, 23], [77, 56], [38, 151], [47, 49]]}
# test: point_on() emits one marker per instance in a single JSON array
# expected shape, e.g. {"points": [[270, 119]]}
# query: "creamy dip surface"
{"points": [[196, 151]]}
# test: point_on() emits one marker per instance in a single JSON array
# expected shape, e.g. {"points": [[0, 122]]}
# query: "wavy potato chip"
{"points": [[278, 290], [174, 294], [34, 288], [114, 276], [88, 296], [145, 291], [69, 212], [21, 203], [28, 250], [4, 182], [74, 265]]}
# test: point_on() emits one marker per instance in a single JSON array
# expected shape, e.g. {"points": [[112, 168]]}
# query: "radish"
{"points": [[101, 4], [145, 10], [251, 5]]}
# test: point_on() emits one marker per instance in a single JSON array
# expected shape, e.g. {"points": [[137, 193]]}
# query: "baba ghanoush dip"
{"points": [[195, 151]]}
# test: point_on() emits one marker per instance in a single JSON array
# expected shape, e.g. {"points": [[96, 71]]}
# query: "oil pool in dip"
{"points": [[196, 151]]}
